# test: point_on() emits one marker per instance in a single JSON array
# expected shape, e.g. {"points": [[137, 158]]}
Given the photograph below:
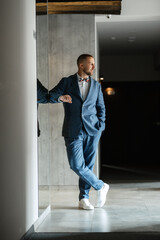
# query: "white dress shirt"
{"points": [[83, 87]]}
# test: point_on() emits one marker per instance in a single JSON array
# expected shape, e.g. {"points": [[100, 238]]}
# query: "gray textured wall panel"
{"points": [[69, 35]]}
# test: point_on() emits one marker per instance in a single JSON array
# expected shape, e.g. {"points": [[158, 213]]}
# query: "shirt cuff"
{"points": [[59, 100]]}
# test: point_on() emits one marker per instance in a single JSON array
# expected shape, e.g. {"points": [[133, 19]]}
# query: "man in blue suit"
{"points": [[83, 124]]}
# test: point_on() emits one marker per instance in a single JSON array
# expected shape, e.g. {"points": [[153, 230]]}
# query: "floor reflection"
{"points": [[132, 206]]}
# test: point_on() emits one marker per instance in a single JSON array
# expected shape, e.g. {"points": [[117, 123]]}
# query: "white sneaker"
{"points": [[101, 196], [85, 204]]}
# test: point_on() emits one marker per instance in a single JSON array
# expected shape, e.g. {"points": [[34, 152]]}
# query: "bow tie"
{"points": [[83, 79]]}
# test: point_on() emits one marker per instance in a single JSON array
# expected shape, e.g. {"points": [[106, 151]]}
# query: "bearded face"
{"points": [[88, 66]]}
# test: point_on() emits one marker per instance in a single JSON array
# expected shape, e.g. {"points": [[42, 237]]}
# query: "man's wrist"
{"points": [[59, 100]]}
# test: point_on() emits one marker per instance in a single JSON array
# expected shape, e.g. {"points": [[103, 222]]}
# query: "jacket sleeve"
{"points": [[42, 93], [101, 111], [57, 91]]}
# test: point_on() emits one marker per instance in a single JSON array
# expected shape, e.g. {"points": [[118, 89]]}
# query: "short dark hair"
{"points": [[82, 57]]}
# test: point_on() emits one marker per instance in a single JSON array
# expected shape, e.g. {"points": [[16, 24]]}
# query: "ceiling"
{"points": [[128, 35], [118, 34]]}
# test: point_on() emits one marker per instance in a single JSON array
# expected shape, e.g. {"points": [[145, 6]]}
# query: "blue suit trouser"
{"points": [[81, 152]]}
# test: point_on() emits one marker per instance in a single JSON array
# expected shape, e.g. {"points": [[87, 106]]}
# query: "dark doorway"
{"points": [[132, 134]]}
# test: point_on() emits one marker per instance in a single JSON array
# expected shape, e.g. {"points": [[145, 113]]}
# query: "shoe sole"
{"points": [[81, 207]]}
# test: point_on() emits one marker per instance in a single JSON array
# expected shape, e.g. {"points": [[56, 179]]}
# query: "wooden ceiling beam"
{"points": [[97, 7], [41, 8]]}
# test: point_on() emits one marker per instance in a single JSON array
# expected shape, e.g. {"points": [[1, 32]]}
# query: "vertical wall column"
{"points": [[18, 119], [69, 36]]}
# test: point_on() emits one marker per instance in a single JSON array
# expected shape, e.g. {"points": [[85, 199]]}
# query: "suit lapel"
{"points": [[75, 85], [90, 89]]}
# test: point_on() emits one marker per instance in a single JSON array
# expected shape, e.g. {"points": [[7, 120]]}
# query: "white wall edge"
{"points": [[42, 218]]}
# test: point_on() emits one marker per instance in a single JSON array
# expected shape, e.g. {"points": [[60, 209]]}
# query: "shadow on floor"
{"points": [[96, 236], [112, 174]]}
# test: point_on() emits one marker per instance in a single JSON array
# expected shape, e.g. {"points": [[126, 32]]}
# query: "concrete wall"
{"points": [[43, 114], [68, 37], [43, 111], [18, 120]]}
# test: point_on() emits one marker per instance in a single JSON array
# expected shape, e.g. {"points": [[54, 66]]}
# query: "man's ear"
{"points": [[81, 65]]}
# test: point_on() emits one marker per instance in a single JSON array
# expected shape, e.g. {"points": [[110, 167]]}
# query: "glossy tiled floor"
{"points": [[133, 205]]}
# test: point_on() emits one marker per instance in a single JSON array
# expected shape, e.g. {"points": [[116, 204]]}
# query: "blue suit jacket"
{"points": [[42, 97], [89, 113], [42, 93]]}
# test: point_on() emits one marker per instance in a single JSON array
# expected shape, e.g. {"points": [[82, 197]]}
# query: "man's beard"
{"points": [[89, 73]]}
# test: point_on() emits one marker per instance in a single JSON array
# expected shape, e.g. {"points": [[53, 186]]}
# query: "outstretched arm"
{"points": [[57, 94], [42, 93]]}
